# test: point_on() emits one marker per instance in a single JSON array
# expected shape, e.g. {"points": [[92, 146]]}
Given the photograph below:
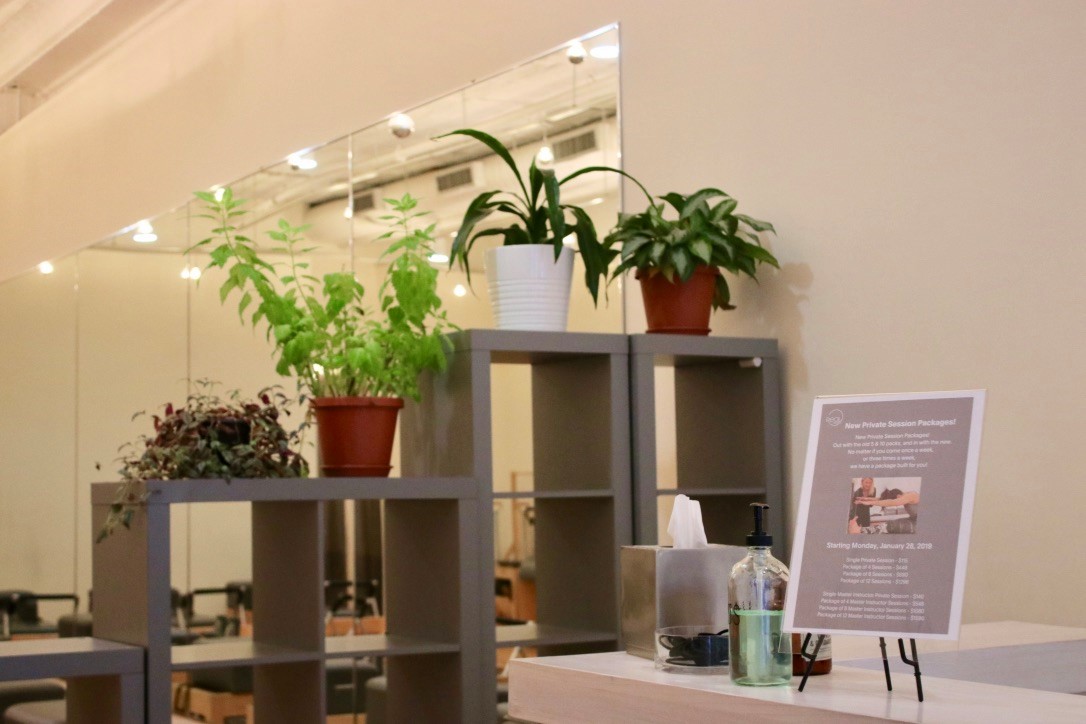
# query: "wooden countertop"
{"points": [[617, 687]]}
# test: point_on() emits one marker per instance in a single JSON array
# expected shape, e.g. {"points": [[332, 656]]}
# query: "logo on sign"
{"points": [[835, 418]]}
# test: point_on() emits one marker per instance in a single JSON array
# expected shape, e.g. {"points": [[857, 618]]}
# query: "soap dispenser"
{"points": [[761, 653]]}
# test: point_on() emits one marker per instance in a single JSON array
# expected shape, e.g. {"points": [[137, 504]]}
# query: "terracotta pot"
{"points": [[679, 307], [355, 435]]}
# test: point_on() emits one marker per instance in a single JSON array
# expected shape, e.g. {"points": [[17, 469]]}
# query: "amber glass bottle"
{"points": [[822, 665]]}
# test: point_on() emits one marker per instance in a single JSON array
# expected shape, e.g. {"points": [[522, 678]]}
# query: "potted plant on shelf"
{"points": [[679, 260], [355, 365], [529, 275], [209, 437]]}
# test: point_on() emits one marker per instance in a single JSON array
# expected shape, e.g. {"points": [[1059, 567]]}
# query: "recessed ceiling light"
{"points": [[604, 52], [596, 201], [46, 267], [575, 53], [438, 258], [348, 213], [459, 290], [302, 162], [219, 193], [190, 272], [145, 233], [569, 240], [401, 125], [545, 157]]}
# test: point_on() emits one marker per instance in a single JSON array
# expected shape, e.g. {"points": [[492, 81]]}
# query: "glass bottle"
{"points": [[761, 653]]}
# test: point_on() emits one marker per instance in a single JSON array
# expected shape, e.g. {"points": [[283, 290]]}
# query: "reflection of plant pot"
{"points": [[355, 435], [528, 288], [679, 307]]}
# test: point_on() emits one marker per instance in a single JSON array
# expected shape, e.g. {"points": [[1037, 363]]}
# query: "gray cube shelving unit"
{"points": [[434, 618], [594, 466], [728, 431], [581, 469]]}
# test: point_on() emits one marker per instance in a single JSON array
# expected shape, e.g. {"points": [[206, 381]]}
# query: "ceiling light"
{"points": [[545, 157], [219, 193], [191, 272], [348, 213], [145, 233], [46, 267], [299, 162], [575, 53], [569, 240], [401, 125], [604, 52], [438, 258], [459, 290], [595, 202]]}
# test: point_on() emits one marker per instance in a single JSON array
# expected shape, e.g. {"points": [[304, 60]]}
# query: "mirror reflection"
{"points": [[129, 323]]}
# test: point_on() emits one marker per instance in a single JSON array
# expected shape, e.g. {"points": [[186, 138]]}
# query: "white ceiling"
{"points": [[46, 43]]}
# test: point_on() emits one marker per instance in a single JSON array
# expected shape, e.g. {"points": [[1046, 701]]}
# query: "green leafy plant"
{"points": [[208, 437], [321, 331], [702, 233], [540, 216]]}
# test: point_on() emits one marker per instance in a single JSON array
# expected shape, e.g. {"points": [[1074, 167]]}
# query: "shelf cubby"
{"points": [[579, 421], [104, 678], [432, 627], [727, 430]]}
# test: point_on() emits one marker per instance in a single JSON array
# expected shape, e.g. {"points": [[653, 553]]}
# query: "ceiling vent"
{"points": [[575, 145], [458, 179], [364, 202]]}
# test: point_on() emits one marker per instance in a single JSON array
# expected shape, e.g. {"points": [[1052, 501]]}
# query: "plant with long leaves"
{"points": [[702, 234], [322, 333], [208, 437], [541, 217]]}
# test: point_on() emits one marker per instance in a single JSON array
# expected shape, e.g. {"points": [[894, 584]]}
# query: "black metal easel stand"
{"points": [[913, 662]]}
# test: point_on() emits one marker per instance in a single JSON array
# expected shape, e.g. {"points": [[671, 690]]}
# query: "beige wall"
{"points": [[922, 160]]}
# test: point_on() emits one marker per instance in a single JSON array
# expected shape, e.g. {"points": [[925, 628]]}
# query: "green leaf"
{"points": [[681, 260], [701, 249], [699, 199], [494, 145], [554, 209], [755, 223]]}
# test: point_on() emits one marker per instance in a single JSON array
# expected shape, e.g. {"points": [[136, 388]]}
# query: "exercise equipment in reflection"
{"points": [[19, 613]]}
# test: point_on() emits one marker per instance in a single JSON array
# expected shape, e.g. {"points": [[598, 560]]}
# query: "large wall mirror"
{"points": [[129, 323]]}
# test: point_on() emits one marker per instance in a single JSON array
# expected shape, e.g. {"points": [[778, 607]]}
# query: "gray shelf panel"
{"points": [[528, 494], [383, 645], [710, 492], [673, 346], [514, 347], [167, 492], [236, 652], [534, 634], [67, 657]]}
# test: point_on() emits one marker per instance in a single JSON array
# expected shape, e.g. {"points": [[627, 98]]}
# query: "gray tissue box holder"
{"points": [[664, 586]]}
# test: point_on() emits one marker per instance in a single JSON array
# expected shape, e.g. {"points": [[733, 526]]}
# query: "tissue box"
{"points": [[673, 587]]}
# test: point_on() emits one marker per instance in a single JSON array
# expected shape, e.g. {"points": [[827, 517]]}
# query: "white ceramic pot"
{"points": [[529, 290]]}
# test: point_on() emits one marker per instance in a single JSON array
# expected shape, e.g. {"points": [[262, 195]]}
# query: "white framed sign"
{"points": [[882, 533]]}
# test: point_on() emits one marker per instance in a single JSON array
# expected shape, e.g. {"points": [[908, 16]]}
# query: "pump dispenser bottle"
{"points": [[761, 653]]}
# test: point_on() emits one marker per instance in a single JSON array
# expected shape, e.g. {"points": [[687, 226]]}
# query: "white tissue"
{"points": [[686, 527]]}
